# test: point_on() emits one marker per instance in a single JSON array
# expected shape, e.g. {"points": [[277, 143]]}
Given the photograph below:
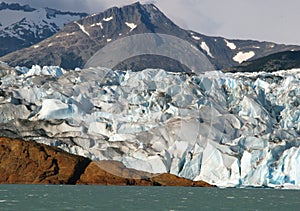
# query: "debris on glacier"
{"points": [[231, 130]]}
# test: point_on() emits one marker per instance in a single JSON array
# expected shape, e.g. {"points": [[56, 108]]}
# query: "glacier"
{"points": [[228, 129]]}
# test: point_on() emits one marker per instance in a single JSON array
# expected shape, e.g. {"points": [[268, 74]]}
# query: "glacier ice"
{"points": [[232, 129]]}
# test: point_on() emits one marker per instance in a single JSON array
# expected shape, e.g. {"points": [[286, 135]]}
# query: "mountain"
{"points": [[22, 26], [76, 43], [279, 61], [16, 7]]}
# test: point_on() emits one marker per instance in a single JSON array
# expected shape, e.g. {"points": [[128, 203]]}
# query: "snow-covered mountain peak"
{"points": [[22, 26], [38, 17]]}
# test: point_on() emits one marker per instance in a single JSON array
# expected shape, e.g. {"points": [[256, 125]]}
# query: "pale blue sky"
{"points": [[269, 20]]}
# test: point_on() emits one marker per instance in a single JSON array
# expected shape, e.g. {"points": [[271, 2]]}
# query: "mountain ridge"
{"points": [[78, 41], [16, 6]]}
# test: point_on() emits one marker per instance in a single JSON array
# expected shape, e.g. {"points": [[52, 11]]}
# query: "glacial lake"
{"points": [[56, 197]]}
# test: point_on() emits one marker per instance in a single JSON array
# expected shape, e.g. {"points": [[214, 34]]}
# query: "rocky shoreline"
{"points": [[28, 162]]}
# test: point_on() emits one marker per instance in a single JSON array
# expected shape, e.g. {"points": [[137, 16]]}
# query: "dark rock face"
{"points": [[77, 42], [139, 63], [27, 162]]}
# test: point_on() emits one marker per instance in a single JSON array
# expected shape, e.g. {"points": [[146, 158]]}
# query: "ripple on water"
{"points": [[230, 197]]}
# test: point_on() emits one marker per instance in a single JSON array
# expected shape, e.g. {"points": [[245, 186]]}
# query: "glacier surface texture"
{"points": [[231, 130]]}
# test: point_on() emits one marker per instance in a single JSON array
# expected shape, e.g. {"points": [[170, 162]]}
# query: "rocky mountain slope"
{"points": [[279, 61], [27, 162], [22, 26], [77, 42]]}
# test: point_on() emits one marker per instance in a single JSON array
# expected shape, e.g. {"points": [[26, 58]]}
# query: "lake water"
{"points": [[47, 197]]}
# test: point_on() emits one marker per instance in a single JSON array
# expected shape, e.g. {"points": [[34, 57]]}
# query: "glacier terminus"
{"points": [[228, 129]]}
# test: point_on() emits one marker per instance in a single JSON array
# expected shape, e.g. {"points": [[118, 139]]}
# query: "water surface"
{"points": [[47, 197]]}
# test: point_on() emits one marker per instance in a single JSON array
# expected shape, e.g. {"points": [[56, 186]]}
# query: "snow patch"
{"points": [[243, 56], [82, 28], [97, 24], [65, 34], [196, 38], [230, 45], [108, 19], [206, 48], [132, 26]]}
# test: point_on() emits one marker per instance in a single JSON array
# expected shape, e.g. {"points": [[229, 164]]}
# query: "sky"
{"points": [[264, 20]]}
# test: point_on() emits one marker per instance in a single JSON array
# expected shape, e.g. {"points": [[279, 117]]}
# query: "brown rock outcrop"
{"points": [[115, 173], [27, 162]]}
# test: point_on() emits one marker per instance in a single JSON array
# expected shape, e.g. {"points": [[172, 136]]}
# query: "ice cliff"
{"points": [[226, 129]]}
